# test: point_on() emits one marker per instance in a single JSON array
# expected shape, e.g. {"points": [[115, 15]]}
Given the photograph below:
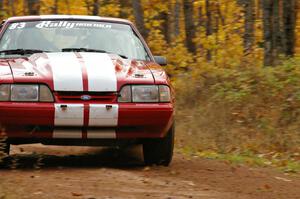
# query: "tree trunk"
{"points": [[170, 21], [177, 9], [277, 33], [216, 29], [167, 24], [209, 28], [267, 21], [189, 25], [201, 17], [138, 13], [96, 6], [55, 7], [33, 7], [289, 23], [249, 7]]}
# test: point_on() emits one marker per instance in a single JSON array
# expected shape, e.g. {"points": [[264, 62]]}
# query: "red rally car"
{"points": [[82, 80]]}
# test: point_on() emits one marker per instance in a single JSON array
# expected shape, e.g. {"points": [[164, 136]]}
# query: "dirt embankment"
{"points": [[78, 172]]}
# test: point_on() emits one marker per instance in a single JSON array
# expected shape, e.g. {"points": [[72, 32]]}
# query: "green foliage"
{"points": [[287, 165], [240, 109]]}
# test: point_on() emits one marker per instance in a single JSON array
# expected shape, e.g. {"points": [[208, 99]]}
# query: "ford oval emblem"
{"points": [[86, 97]]}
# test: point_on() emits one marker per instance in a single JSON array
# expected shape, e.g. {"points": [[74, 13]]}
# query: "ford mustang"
{"points": [[83, 81]]}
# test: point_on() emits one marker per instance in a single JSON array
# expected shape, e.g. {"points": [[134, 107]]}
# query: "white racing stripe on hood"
{"points": [[67, 72], [100, 71]]}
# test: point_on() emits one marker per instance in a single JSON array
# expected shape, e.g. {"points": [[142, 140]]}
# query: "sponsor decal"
{"points": [[70, 25], [17, 26], [60, 24]]}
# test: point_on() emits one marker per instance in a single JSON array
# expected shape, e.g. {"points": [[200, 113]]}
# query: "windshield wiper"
{"points": [[82, 50], [123, 56], [21, 51], [90, 50]]}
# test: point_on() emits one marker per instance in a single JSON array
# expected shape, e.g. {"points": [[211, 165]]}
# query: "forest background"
{"points": [[233, 64]]}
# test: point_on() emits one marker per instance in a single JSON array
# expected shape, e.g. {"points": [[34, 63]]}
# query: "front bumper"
{"points": [[85, 121]]}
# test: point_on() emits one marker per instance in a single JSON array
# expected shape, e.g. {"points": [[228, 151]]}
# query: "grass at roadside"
{"points": [[242, 115], [261, 160]]}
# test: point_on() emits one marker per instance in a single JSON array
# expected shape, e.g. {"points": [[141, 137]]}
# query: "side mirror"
{"points": [[161, 60]]}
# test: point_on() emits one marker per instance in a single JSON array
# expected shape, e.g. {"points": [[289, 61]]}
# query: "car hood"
{"points": [[94, 72]]}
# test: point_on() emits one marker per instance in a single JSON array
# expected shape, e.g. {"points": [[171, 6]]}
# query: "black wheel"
{"points": [[159, 151], [4, 148]]}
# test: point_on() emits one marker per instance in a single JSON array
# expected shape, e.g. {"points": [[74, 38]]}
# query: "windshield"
{"points": [[55, 36]]}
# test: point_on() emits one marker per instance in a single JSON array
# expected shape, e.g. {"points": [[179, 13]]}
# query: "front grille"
{"points": [[105, 97]]}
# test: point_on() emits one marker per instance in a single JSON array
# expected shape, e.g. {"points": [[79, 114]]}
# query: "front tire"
{"points": [[159, 151], [4, 148]]}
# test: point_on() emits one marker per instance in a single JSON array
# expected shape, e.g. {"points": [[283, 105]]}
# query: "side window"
{"points": [[140, 48], [7, 41], [2, 24]]}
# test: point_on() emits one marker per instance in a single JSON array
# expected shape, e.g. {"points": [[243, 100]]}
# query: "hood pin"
{"points": [[63, 107], [109, 107]]}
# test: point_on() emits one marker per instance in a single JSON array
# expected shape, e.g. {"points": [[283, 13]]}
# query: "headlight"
{"points": [[145, 93], [25, 93], [4, 92]]}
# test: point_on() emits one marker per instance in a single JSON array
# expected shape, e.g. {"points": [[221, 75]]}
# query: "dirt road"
{"points": [[91, 173]]}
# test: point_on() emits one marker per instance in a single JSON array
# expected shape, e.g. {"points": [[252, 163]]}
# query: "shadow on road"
{"points": [[104, 157]]}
